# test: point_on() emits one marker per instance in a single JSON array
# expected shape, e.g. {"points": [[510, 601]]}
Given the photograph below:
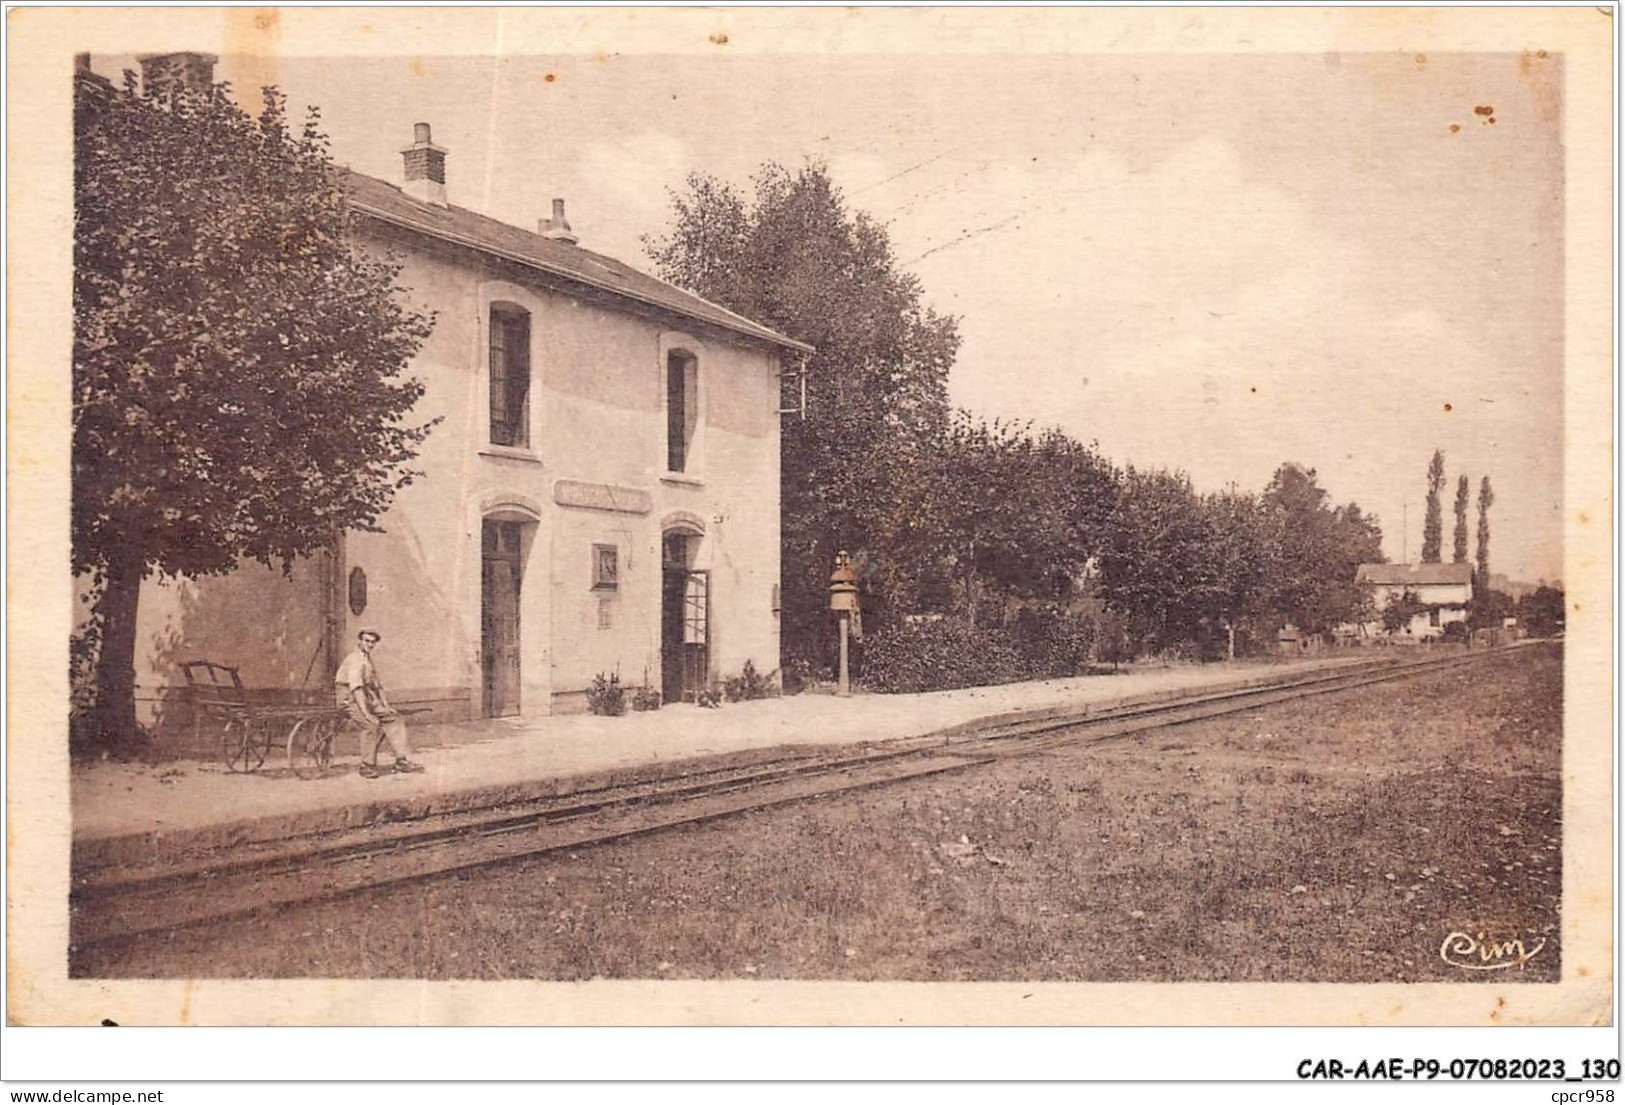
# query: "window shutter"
{"points": [[519, 379]]}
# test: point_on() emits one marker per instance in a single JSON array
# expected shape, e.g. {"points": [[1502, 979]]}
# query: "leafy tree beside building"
{"points": [[238, 387], [1322, 547], [1400, 609], [858, 470]]}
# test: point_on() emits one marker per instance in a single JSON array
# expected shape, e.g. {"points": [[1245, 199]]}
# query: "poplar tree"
{"points": [[1464, 492], [1486, 499], [1433, 523]]}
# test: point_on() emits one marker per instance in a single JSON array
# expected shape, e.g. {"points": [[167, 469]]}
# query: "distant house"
{"points": [[1444, 589]]}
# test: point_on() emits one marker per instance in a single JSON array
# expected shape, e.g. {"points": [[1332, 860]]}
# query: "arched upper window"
{"points": [[682, 408], [510, 375]]}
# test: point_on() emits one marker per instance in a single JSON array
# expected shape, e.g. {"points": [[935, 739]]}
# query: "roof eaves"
{"points": [[1415, 574], [738, 323]]}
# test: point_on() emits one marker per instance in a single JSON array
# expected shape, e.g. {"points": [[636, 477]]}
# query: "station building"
{"points": [[601, 494]]}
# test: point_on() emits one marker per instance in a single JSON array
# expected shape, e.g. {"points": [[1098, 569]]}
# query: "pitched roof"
{"points": [[1405, 575], [385, 202]]}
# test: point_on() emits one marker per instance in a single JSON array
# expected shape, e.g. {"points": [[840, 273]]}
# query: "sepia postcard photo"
{"points": [[810, 516]]}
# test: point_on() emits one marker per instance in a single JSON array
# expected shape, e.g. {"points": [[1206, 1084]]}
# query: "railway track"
{"points": [[114, 904]]}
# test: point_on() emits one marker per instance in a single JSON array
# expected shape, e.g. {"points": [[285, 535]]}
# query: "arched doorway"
{"points": [[685, 615]]}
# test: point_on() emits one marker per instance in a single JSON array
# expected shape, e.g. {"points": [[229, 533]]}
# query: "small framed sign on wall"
{"points": [[358, 591], [605, 568]]}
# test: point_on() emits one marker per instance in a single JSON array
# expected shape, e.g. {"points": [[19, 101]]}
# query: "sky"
{"points": [[1208, 262]]}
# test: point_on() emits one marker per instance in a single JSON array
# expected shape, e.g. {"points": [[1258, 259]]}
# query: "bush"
{"points": [[1455, 631], [800, 673], [606, 696], [1116, 643], [646, 698], [748, 684], [940, 655], [1400, 609], [1184, 651], [710, 699]]}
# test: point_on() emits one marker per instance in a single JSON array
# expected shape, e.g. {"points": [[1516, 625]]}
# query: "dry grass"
{"points": [[1335, 839]]}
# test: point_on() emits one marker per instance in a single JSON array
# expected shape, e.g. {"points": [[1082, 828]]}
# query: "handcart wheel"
{"points": [[245, 743], [235, 744], [264, 736], [310, 746]]}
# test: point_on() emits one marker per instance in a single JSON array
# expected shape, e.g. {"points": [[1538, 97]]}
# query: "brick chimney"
{"points": [[425, 164], [557, 228], [161, 74]]}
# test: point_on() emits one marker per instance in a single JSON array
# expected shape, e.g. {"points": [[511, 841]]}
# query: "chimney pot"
{"points": [[557, 228], [424, 163], [163, 74]]}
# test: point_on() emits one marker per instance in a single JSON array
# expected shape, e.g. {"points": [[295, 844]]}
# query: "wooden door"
{"points": [[499, 618], [671, 634], [685, 608]]}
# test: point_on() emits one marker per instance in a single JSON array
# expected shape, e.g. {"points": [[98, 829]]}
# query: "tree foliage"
{"points": [[1486, 499], [237, 361], [1019, 512], [1433, 523], [1464, 492], [1490, 608], [1156, 564], [1322, 547], [1400, 609], [1541, 612], [1246, 545]]}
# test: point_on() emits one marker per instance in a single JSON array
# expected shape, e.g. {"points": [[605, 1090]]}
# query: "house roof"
{"points": [[385, 202], [1408, 575]]}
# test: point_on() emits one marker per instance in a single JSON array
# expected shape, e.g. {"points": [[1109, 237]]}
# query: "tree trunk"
{"points": [[115, 664], [970, 586], [1230, 634]]}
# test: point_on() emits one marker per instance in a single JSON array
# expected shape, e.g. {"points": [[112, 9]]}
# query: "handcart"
{"points": [[249, 730]]}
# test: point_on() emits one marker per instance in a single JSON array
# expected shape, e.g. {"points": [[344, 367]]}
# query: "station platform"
{"points": [[143, 813]]}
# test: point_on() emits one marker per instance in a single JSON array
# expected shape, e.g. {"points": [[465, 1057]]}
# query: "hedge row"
{"points": [[944, 654]]}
